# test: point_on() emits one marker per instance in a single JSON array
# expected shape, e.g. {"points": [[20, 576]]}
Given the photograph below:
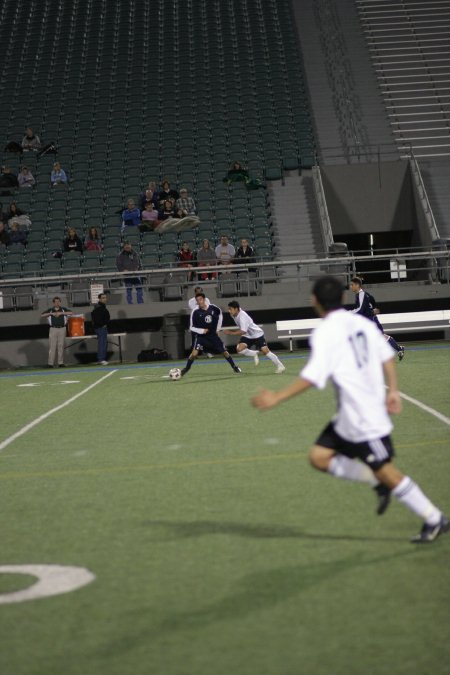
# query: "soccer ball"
{"points": [[174, 373]]}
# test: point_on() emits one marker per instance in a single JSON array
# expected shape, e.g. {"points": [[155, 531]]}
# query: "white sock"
{"points": [[273, 357], [341, 466], [249, 352], [410, 494]]}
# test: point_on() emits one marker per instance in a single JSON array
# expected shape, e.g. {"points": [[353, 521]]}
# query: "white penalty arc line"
{"points": [[426, 408], [43, 417]]}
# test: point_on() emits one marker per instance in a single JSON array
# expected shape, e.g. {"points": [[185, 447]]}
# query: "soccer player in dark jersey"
{"points": [[366, 306], [206, 320]]}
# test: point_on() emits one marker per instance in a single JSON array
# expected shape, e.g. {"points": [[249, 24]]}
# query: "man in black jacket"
{"points": [[100, 319]]}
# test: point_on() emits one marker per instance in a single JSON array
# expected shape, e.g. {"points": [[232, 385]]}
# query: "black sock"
{"points": [[188, 365], [394, 344], [230, 361]]}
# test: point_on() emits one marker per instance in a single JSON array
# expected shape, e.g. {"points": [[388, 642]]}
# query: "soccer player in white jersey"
{"points": [[250, 334], [352, 353]]}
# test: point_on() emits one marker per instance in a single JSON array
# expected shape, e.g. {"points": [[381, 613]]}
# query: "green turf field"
{"points": [[216, 549]]}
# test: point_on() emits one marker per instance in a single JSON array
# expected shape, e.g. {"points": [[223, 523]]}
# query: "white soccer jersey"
{"points": [[193, 304], [350, 350], [245, 322]]}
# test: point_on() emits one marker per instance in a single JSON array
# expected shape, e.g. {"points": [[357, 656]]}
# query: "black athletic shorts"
{"points": [[374, 453], [259, 342], [208, 343]]}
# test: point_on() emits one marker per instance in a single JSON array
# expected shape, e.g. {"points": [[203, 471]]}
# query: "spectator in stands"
{"points": [[238, 173], [131, 216], [72, 243], [58, 176], [31, 141], [16, 235], [25, 178], [8, 179], [149, 217], [166, 192], [245, 253], [92, 241], [206, 257], [186, 258], [166, 211], [19, 216], [225, 252], [185, 203], [149, 195], [129, 261], [4, 234]]}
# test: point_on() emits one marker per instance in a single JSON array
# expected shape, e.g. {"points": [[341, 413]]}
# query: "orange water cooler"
{"points": [[76, 325]]}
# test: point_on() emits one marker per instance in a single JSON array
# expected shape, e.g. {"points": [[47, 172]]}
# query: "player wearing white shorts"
{"points": [[250, 335], [355, 445]]}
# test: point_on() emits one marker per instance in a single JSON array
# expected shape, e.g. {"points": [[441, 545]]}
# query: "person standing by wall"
{"points": [[57, 319], [129, 261], [100, 319]]}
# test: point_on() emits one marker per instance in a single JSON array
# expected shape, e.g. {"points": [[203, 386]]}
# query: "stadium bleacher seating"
{"points": [[131, 92]]}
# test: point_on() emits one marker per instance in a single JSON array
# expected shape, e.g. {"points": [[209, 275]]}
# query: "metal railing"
{"points": [[425, 265]]}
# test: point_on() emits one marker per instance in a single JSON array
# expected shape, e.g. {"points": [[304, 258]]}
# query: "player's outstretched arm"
{"points": [[393, 400], [269, 399]]}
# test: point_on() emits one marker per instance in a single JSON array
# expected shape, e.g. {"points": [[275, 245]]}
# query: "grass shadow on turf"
{"points": [[185, 530]]}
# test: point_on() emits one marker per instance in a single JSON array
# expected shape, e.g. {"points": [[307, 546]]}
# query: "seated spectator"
{"points": [[16, 235], [238, 173], [225, 252], [25, 178], [166, 211], [31, 141], [186, 258], [92, 241], [58, 176], [244, 253], [72, 243], [8, 179], [149, 217], [186, 204], [4, 234], [166, 192], [206, 257], [149, 195], [131, 216], [17, 215]]}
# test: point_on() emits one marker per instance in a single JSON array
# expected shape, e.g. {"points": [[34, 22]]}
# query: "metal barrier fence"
{"points": [[426, 265]]}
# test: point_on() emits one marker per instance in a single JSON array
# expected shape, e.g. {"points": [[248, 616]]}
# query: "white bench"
{"points": [[404, 322]]}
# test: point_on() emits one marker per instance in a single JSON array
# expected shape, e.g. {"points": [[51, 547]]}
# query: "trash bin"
{"points": [[173, 335]]}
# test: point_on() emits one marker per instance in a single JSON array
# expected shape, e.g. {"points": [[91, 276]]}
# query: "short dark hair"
{"points": [[234, 304], [328, 291], [100, 295], [357, 280], [56, 298], [201, 294]]}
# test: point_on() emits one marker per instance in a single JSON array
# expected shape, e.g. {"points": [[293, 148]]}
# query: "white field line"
{"points": [[426, 408], [43, 417]]}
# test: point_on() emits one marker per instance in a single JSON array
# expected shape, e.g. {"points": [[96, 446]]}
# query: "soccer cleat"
{"points": [[429, 533], [183, 371], [384, 498], [102, 363], [62, 365], [401, 353], [256, 359], [237, 369], [209, 355], [280, 369]]}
